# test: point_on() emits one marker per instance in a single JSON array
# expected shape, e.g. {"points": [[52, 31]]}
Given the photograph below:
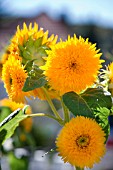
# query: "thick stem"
{"points": [[66, 112], [46, 115], [51, 104], [78, 168]]}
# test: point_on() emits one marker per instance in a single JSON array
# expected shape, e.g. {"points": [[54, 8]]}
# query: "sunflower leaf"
{"points": [[29, 65], [101, 116], [9, 124], [33, 83], [4, 112], [77, 105], [2, 135], [35, 79], [87, 102], [96, 97]]}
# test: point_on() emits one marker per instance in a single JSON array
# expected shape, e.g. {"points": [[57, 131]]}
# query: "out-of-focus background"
{"points": [[86, 18]]}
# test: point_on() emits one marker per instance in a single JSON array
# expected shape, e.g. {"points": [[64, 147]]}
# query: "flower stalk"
{"points": [[46, 115], [66, 112], [51, 104], [78, 168]]}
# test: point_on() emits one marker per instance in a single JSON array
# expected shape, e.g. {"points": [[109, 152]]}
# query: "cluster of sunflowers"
{"points": [[36, 65]]}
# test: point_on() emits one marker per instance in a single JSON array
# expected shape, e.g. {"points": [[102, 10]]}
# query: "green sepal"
{"points": [[33, 50], [9, 124], [38, 42], [27, 55], [35, 79], [29, 65], [101, 117]]}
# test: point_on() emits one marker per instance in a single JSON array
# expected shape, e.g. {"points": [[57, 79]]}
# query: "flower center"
{"points": [[72, 65], [83, 141]]}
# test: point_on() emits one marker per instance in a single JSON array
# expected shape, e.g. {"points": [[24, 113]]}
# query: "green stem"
{"points": [[51, 104], [111, 114], [66, 112], [78, 168], [46, 115]]}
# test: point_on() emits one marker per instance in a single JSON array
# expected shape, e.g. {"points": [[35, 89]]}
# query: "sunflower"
{"points": [[27, 123], [72, 65], [81, 142], [30, 42], [14, 77], [109, 74]]}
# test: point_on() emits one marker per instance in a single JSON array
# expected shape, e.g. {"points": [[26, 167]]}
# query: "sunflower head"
{"points": [[30, 43], [14, 77], [72, 65], [81, 142]]}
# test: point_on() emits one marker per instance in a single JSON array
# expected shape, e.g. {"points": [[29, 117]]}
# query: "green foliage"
{"points": [[35, 79], [95, 97], [9, 124], [93, 103], [85, 103], [2, 135], [18, 163], [33, 50], [77, 105], [4, 112], [111, 111], [101, 116]]}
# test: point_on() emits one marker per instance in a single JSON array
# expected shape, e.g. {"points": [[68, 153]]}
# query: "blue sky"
{"points": [[77, 11]]}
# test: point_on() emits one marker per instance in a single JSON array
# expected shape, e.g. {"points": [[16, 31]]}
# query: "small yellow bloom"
{"points": [[109, 76], [27, 123], [11, 104], [72, 65], [81, 142], [14, 77]]}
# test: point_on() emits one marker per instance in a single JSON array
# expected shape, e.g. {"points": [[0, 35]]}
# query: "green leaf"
{"points": [[77, 105], [9, 124], [33, 83], [2, 135], [85, 103], [96, 97], [101, 116], [36, 79], [4, 112], [29, 65]]}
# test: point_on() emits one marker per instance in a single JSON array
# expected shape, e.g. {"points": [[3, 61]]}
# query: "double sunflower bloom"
{"points": [[35, 63]]}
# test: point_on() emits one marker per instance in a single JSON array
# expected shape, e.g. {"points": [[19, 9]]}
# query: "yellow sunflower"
{"points": [[109, 76], [27, 38], [14, 77], [30, 43], [81, 142], [72, 65], [27, 123]]}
